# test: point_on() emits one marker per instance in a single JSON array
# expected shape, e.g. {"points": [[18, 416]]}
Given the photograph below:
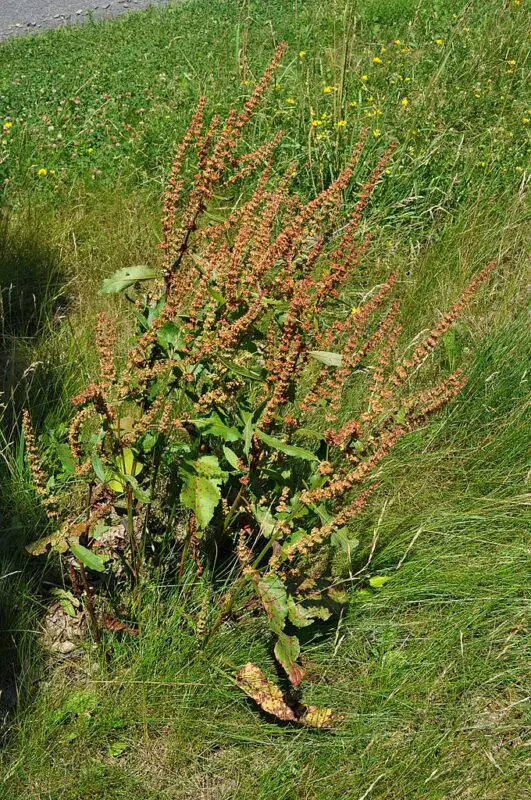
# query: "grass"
{"points": [[430, 671]]}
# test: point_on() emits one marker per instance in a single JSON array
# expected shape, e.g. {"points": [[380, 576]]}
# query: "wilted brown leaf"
{"points": [[270, 698]]}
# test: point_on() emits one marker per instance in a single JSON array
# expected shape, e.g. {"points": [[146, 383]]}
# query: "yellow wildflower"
{"points": [[407, 80], [525, 120], [512, 62], [405, 50], [290, 101], [42, 172], [404, 102], [376, 132], [355, 310], [329, 89], [398, 41], [341, 123], [377, 60], [439, 42], [316, 122], [8, 125], [90, 150], [302, 53], [353, 104], [364, 78]]}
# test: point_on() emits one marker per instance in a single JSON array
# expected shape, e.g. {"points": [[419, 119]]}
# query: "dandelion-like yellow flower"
{"points": [[316, 122], [290, 101], [341, 123], [355, 310], [377, 60], [329, 89], [439, 42], [364, 77], [90, 150], [512, 62], [525, 120], [302, 53], [245, 83], [406, 80], [404, 102], [8, 125], [376, 133], [398, 41], [405, 50], [42, 172], [353, 104]]}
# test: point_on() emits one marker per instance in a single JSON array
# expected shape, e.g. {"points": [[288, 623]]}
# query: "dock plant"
{"points": [[242, 433]]}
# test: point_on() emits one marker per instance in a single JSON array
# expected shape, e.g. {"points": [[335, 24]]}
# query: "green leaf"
{"points": [[97, 465], [298, 614], [170, 335], [138, 491], [400, 416], [232, 458], [274, 598], [66, 458], [287, 651], [87, 557], [216, 295], [126, 277], [302, 616], [68, 602], [378, 581], [330, 359], [344, 541], [241, 371], [201, 495], [266, 520], [116, 749], [128, 464], [248, 432], [289, 449], [215, 427]]}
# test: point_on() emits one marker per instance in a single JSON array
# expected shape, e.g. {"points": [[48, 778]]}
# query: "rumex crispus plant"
{"points": [[228, 440]]}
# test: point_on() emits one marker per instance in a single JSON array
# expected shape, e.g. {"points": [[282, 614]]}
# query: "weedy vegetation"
{"points": [[283, 452]]}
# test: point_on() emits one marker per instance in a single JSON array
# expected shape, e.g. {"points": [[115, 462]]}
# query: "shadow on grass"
{"points": [[31, 305]]}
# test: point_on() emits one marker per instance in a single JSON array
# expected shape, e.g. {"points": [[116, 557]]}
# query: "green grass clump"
{"points": [[430, 670]]}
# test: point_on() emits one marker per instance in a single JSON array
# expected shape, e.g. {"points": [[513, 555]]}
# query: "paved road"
{"points": [[28, 16]]}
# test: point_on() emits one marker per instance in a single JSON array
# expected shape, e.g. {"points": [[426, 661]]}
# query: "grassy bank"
{"points": [[430, 671]]}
